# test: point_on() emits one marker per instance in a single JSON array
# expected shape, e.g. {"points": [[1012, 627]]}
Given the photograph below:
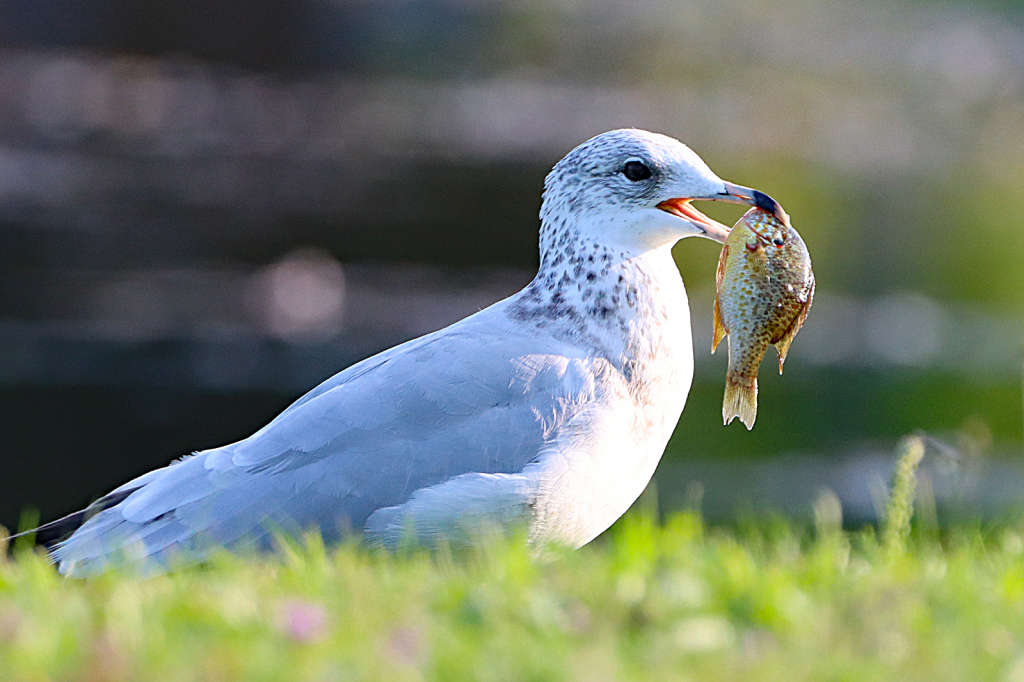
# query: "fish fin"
{"points": [[740, 401], [783, 348], [756, 257], [720, 330], [759, 262], [782, 345], [720, 272]]}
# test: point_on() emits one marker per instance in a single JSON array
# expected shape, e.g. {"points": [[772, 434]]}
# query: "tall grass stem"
{"points": [[900, 508]]}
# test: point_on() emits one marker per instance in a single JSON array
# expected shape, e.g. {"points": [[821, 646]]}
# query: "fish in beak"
{"points": [[735, 194]]}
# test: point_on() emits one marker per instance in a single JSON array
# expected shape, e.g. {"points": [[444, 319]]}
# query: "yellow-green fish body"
{"points": [[765, 286]]}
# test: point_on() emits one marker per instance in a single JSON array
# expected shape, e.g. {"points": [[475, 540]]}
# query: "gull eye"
{"points": [[636, 171]]}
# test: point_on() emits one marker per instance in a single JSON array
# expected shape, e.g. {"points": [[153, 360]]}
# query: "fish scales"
{"points": [[765, 288]]}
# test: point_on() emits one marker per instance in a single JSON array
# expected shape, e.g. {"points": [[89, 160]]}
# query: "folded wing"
{"points": [[464, 400]]}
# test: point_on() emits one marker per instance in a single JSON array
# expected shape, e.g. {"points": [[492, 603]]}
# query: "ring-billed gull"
{"points": [[550, 409]]}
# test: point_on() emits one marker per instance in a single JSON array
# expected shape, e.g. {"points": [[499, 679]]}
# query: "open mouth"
{"points": [[682, 208]]}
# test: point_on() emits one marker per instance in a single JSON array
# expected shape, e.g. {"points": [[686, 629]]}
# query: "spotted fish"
{"points": [[765, 286]]}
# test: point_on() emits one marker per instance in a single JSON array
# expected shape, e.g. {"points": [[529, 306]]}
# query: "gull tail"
{"points": [[740, 400]]}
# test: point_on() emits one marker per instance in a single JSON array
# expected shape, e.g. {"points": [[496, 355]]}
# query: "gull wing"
{"points": [[467, 399]]}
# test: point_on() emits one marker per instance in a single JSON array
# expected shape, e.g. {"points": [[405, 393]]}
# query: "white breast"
{"points": [[628, 375], [605, 457]]}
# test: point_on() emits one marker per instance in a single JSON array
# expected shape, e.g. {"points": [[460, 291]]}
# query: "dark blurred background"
{"points": [[208, 207]]}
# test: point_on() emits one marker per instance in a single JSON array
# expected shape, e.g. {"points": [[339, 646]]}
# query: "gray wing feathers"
{"points": [[419, 414]]}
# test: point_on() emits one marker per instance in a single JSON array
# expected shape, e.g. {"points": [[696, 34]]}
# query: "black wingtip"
{"points": [[49, 534]]}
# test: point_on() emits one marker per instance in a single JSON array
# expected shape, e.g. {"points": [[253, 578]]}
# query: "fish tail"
{"points": [[740, 399]]}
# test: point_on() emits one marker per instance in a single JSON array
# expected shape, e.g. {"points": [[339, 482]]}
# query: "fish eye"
{"points": [[635, 171]]}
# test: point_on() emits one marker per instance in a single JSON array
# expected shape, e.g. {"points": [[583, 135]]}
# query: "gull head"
{"points": [[635, 188]]}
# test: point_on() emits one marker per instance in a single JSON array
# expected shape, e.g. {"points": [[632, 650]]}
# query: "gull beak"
{"points": [[682, 208], [738, 194]]}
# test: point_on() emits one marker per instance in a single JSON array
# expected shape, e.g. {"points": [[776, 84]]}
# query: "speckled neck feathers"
{"points": [[629, 307]]}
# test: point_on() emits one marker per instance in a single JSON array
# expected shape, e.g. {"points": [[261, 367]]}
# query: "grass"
{"points": [[767, 600]]}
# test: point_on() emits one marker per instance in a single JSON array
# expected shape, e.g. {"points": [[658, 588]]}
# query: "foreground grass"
{"points": [[678, 601]]}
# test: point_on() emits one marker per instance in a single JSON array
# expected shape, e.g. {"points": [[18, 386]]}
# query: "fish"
{"points": [[765, 286]]}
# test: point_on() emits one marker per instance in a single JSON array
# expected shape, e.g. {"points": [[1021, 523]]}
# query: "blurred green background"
{"points": [[206, 208]]}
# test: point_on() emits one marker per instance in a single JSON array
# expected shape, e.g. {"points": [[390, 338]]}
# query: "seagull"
{"points": [[547, 411]]}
